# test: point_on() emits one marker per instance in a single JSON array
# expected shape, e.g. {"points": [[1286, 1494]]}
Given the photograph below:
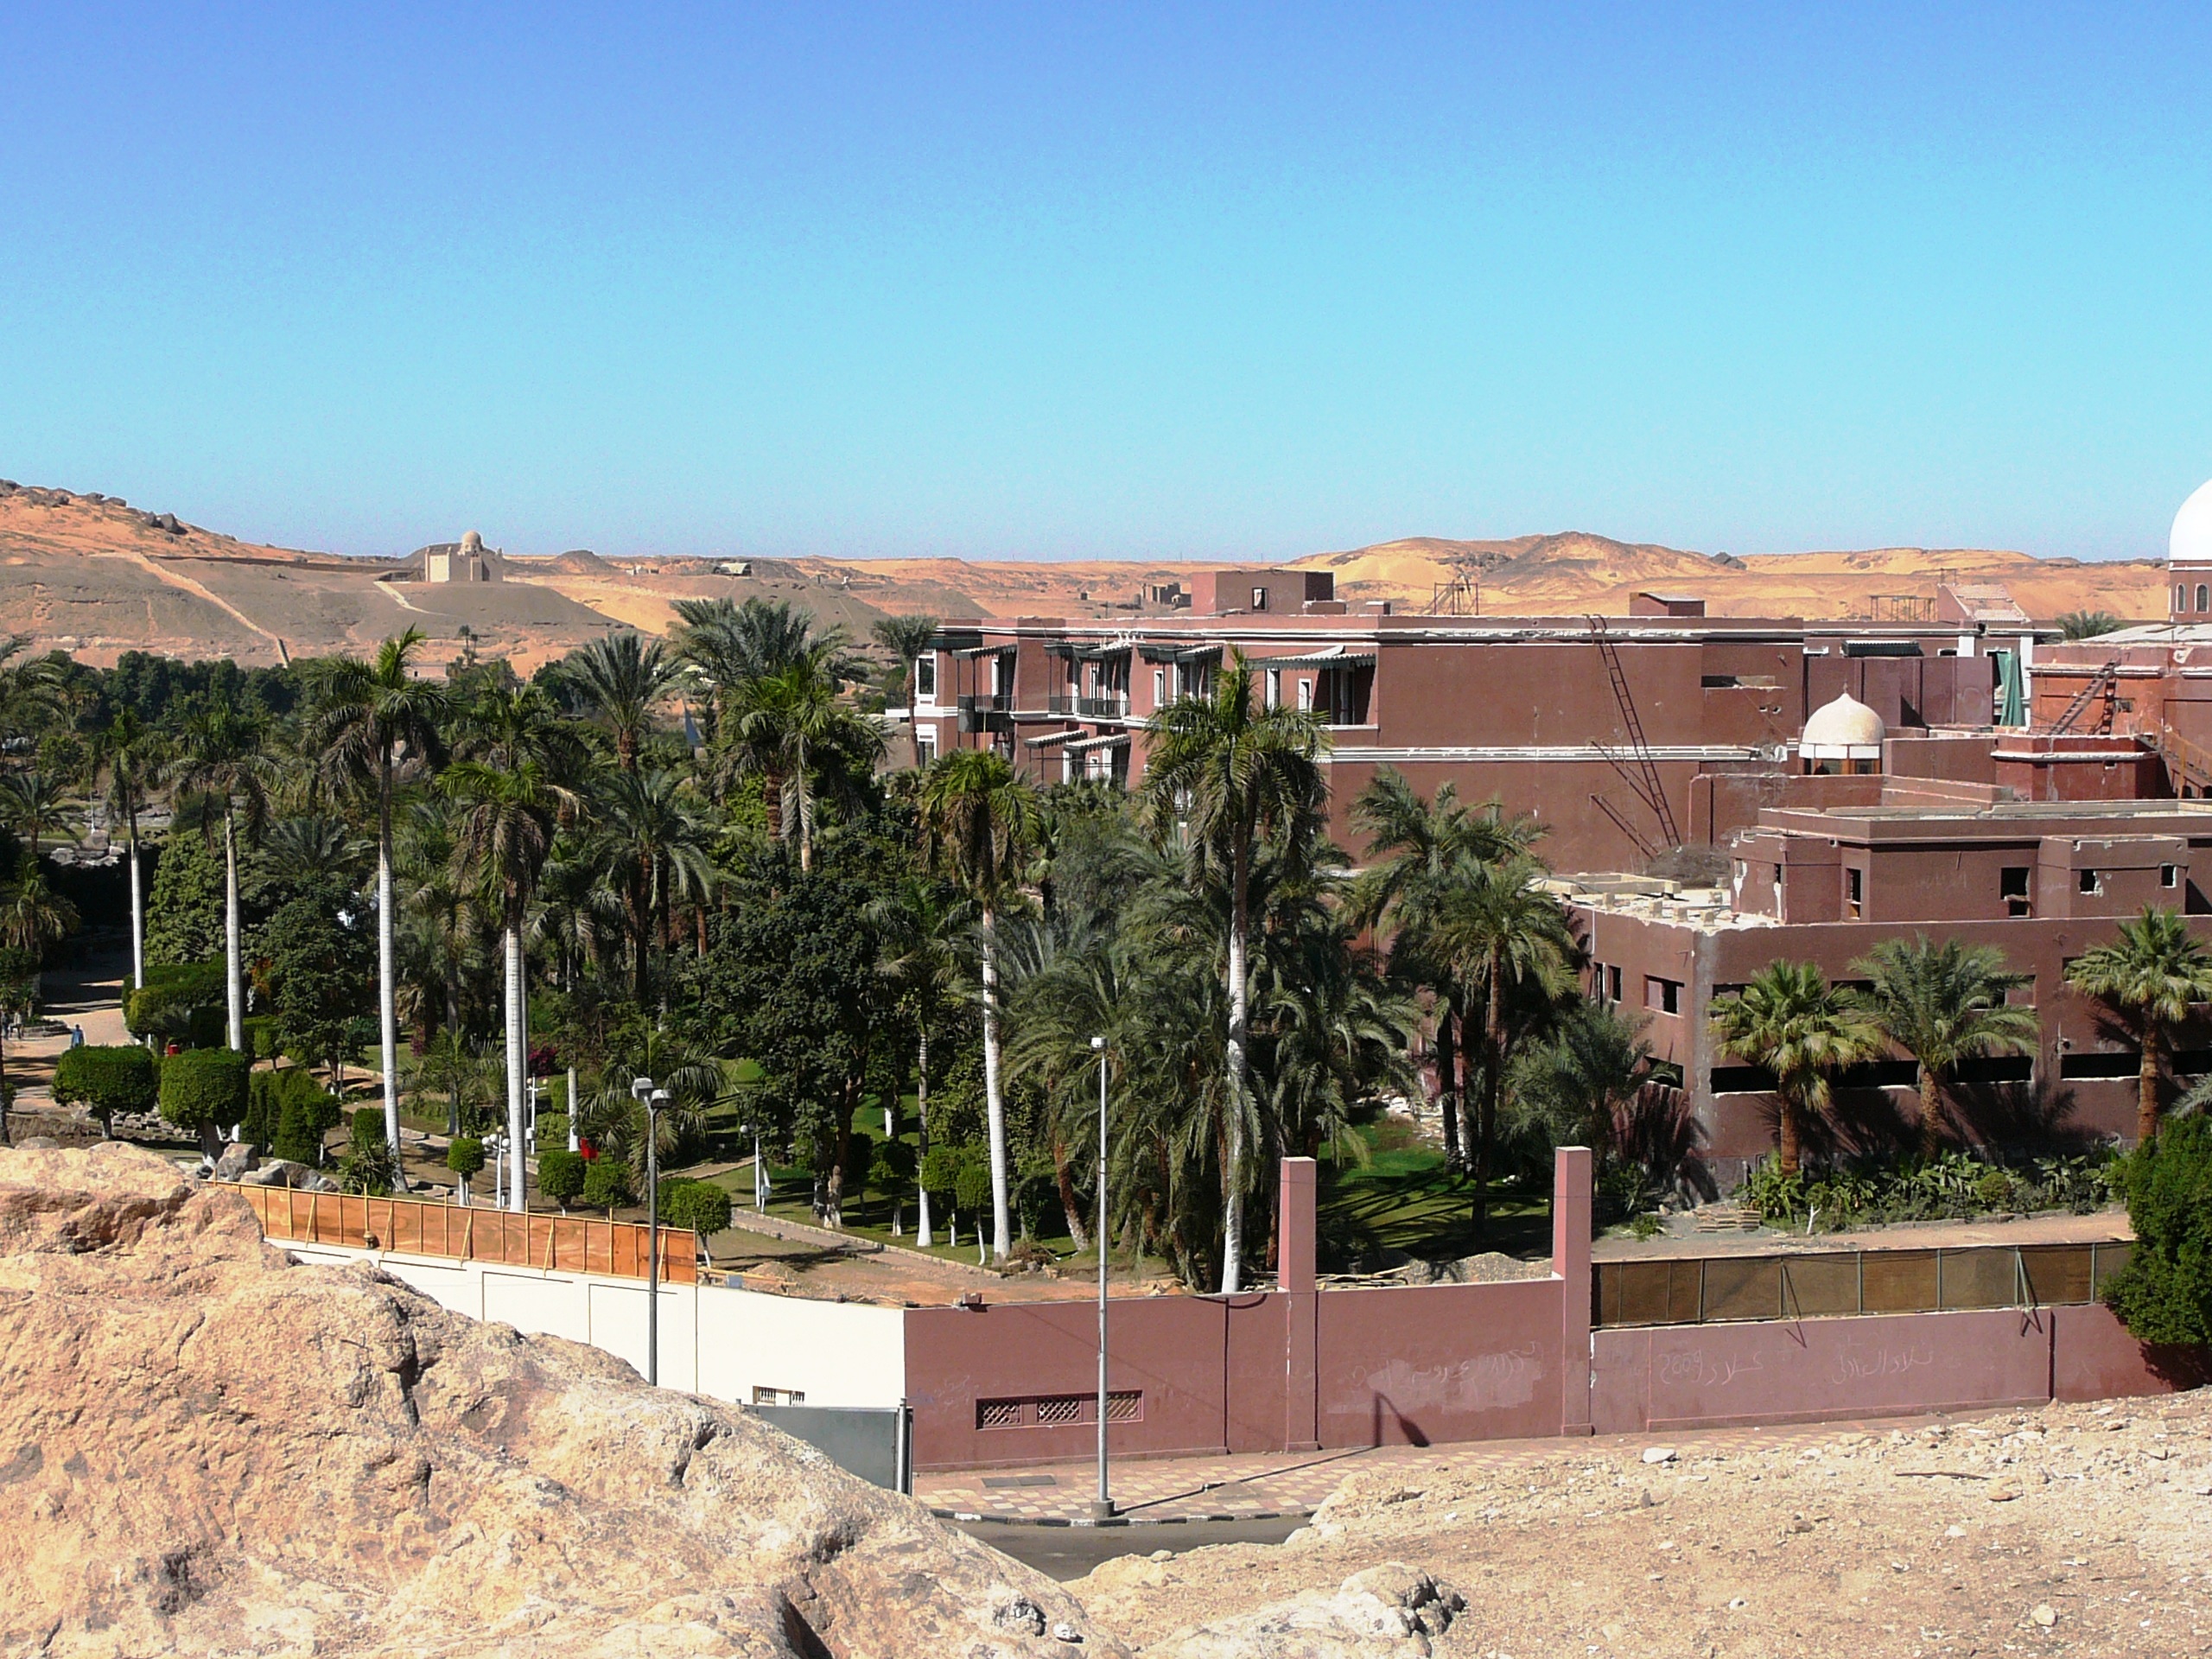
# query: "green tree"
{"points": [[132, 758], [1941, 1004], [619, 678], [317, 977], [370, 719], [701, 1208], [978, 823], [921, 925], [108, 1079], [2087, 624], [205, 1089], [561, 1175], [2164, 1292], [36, 804], [465, 1158], [907, 638], [2151, 974], [184, 914], [1802, 1030], [607, 1185], [1222, 773], [789, 730]]}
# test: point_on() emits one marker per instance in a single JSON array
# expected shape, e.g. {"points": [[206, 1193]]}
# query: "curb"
{"points": [[1119, 1520]]}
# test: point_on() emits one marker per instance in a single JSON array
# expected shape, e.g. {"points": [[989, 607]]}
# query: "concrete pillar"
{"points": [[1294, 1232], [1572, 1196]]}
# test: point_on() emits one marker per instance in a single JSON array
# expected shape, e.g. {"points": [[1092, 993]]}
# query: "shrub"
{"points": [[270, 1093], [700, 1206], [553, 1129], [607, 1185], [2164, 1292], [206, 1090], [108, 1079], [465, 1157], [561, 1175], [971, 1188], [299, 1134], [368, 1165], [940, 1171], [185, 1005]]}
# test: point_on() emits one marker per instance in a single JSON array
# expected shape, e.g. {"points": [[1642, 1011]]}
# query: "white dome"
{"points": [[1846, 723], [2191, 540]]}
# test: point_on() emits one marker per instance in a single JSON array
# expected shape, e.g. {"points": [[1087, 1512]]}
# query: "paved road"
{"points": [[1065, 1553]]}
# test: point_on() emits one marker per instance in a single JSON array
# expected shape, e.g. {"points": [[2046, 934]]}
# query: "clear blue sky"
{"points": [[1049, 280]]}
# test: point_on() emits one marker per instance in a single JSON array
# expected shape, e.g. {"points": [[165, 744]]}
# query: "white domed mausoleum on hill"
{"points": [[2188, 559]]}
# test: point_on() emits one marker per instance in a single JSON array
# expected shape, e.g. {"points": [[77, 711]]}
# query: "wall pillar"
{"points": [[1571, 1201], [1295, 1227]]}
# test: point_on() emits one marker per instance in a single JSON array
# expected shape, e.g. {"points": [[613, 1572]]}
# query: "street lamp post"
{"points": [[653, 1099], [1101, 1507]]}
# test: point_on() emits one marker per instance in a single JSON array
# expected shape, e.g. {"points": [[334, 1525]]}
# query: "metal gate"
{"points": [[874, 1442]]}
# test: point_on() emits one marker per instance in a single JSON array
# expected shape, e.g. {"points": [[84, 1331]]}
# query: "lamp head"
{"points": [[1098, 1044], [640, 1087], [659, 1099]]}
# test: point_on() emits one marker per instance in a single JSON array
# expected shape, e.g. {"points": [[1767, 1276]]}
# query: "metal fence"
{"points": [[876, 1443], [570, 1244], [1696, 1290]]}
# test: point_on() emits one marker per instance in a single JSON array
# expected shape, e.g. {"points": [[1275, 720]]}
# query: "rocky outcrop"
{"points": [[208, 1449], [1392, 1612]]}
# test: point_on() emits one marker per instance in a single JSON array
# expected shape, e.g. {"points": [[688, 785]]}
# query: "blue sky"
{"points": [[1051, 280]]}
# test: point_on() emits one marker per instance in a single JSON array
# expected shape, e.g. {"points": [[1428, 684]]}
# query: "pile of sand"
{"points": [[205, 1449]]}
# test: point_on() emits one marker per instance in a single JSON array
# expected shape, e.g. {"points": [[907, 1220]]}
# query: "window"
{"points": [[1613, 983], [1274, 688], [1259, 599], [2204, 597], [2088, 881], [925, 745], [1058, 1410], [779, 1396], [1159, 698], [1304, 696], [1855, 891], [1663, 994], [926, 675], [2180, 597], [2012, 888], [2168, 875], [2128, 1063]]}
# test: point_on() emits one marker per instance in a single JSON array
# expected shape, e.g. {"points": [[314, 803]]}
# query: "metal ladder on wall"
{"points": [[1638, 768], [2105, 682]]}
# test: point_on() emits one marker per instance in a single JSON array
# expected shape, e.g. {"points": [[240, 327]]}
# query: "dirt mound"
{"points": [[2070, 1528], [204, 1449]]}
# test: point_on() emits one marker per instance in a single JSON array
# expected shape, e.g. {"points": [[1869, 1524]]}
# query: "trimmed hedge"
{"points": [[561, 1175], [2164, 1292], [270, 1095], [700, 1206], [187, 1004], [109, 1079], [607, 1184], [465, 1157], [205, 1089]]}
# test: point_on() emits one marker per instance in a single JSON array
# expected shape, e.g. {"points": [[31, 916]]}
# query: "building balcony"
{"points": [[1115, 706]]}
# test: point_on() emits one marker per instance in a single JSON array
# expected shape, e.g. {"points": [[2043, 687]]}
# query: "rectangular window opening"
{"points": [[2088, 881], [1663, 994]]}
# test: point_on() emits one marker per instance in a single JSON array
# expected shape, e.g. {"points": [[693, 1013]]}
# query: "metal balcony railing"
{"points": [[1115, 706]]}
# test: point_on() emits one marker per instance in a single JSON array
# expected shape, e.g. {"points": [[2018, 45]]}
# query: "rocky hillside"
{"points": [[205, 1451]]}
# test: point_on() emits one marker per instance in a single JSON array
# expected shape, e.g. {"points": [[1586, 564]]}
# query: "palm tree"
{"points": [[908, 637], [133, 758], [1941, 1004], [1589, 1076], [728, 646], [1507, 939], [1221, 772], [33, 804], [1418, 852], [370, 717], [2087, 624], [662, 848], [31, 691], [619, 678], [513, 795], [32, 917], [223, 758], [616, 1120], [2152, 973], [977, 822], [1801, 1029], [789, 730], [920, 925]]}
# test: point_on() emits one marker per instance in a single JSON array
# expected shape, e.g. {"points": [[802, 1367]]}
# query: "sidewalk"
{"points": [[1266, 1486]]}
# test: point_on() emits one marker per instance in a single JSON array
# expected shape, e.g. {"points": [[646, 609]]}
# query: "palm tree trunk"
{"points": [[993, 1101], [5, 1138], [1077, 1234], [921, 1116], [137, 912], [1447, 1081], [1786, 1129], [1493, 1086], [233, 957], [1232, 1181], [517, 1058], [1931, 1112], [2146, 1086], [387, 1002]]}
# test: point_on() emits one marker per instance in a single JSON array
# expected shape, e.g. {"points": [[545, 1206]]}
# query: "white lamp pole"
{"points": [[652, 1100]]}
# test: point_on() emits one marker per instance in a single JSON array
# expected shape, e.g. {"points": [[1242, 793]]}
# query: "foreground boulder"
{"points": [[205, 1449], [1392, 1612]]}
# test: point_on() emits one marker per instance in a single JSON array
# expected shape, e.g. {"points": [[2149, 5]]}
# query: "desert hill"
{"points": [[93, 575]]}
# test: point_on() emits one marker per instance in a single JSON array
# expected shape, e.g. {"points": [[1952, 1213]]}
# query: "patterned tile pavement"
{"points": [[1266, 1485]]}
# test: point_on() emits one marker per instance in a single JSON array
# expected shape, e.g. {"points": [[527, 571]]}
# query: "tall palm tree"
{"points": [[2152, 973], [1223, 772], [661, 846], [132, 758], [1507, 939], [619, 678], [790, 729], [31, 691], [1941, 1004], [920, 925], [1588, 1077], [978, 821], [908, 637], [223, 759], [1418, 852], [370, 717], [513, 795], [1791, 1021], [728, 646]]}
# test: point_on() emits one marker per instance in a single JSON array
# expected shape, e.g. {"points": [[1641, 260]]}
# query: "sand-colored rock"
{"points": [[207, 1450], [1391, 1611]]}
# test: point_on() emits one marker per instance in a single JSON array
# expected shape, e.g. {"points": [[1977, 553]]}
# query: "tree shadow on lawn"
{"points": [[1376, 1215]]}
